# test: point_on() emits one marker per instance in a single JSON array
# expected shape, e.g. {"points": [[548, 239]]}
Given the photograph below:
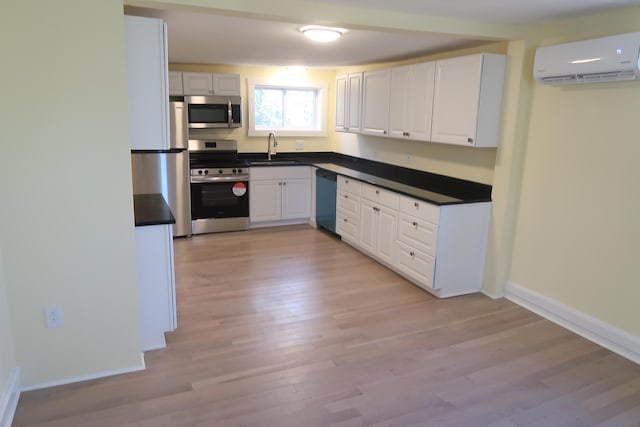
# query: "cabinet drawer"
{"points": [[416, 265], [349, 184], [347, 227], [378, 195], [418, 233], [419, 209], [348, 203]]}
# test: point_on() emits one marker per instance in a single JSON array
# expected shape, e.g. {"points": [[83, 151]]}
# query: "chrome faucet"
{"points": [[275, 144]]}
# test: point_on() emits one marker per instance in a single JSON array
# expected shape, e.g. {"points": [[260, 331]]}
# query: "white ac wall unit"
{"points": [[606, 59]]}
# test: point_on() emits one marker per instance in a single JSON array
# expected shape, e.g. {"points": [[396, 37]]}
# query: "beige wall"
{"points": [[7, 351], [67, 217], [577, 237]]}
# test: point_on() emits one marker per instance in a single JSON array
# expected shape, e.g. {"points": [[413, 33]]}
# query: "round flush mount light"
{"points": [[322, 34]]}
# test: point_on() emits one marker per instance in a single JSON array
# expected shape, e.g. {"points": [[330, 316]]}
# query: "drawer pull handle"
{"points": [[415, 224], [377, 192], [416, 205], [346, 181], [345, 220], [412, 254], [346, 197]]}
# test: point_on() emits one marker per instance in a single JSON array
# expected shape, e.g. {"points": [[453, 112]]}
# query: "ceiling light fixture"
{"points": [[322, 34]]}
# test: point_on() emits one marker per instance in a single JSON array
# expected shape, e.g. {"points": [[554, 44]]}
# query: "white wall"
{"points": [[67, 213], [7, 351], [577, 236]]}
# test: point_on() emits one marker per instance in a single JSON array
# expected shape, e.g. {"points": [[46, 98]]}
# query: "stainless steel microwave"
{"points": [[205, 112]]}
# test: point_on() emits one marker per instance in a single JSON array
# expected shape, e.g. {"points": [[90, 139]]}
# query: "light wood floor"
{"points": [[290, 327]]}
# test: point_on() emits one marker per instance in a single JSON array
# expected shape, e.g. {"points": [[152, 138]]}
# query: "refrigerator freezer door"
{"points": [[167, 174], [178, 125]]}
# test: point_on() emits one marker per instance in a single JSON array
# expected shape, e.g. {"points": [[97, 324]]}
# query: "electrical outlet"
{"points": [[53, 317], [299, 144]]}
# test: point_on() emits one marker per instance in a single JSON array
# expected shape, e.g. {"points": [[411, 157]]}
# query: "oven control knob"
{"points": [[234, 171], [239, 170], [200, 172], [206, 171], [220, 171]]}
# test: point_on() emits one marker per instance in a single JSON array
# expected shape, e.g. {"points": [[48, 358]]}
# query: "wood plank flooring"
{"points": [[291, 327]]}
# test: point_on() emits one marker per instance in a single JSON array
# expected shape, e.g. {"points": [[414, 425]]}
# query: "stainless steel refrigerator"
{"points": [[167, 171]]}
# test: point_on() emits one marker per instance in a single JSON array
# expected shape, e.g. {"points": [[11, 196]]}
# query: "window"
{"points": [[288, 110]]}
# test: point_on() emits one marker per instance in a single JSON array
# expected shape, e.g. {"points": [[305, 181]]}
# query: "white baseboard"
{"points": [[604, 334], [94, 376], [9, 398]]}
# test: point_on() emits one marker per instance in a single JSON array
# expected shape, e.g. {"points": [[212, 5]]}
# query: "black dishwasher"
{"points": [[326, 182]]}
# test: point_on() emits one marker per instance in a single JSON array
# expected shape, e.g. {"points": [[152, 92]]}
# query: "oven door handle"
{"points": [[204, 179]]}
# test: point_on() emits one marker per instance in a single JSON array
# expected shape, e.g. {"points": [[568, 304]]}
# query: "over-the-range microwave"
{"points": [[214, 111]]}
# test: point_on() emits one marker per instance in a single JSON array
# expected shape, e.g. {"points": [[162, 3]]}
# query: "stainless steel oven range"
{"points": [[219, 187]]}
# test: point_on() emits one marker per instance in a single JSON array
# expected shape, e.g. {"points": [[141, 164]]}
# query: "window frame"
{"points": [[321, 108]]}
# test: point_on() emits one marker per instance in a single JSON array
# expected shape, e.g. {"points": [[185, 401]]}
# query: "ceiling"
{"points": [[205, 38]]}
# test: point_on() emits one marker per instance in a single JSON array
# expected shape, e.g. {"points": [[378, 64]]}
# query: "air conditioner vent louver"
{"points": [[607, 59]]}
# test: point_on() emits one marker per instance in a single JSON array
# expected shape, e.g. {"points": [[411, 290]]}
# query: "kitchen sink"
{"points": [[273, 162]]}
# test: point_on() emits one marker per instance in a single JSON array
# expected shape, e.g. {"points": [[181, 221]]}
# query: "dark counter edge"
{"points": [[431, 187], [151, 209]]}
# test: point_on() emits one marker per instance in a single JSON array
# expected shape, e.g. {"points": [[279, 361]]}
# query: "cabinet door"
{"points": [[368, 226], [147, 85], [341, 103], [456, 99], [375, 102], [175, 83], [226, 84], [420, 101], [197, 83], [265, 200], [398, 105], [386, 235], [354, 100], [296, 198]]}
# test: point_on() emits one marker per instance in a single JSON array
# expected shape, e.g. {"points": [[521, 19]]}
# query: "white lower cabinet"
{"points": [[348, 209], [156, 284], [279, 195], [439, 248], [378, 222]]}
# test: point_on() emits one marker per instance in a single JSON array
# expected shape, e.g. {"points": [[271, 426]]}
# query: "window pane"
{"points": [[300, 110], [268, 108]]}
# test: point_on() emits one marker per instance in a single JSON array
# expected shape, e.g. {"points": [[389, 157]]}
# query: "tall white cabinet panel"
{"points": [[147, 83], [348, 100], [376, 86], [412, 101], [156, 284], [467, 100]]}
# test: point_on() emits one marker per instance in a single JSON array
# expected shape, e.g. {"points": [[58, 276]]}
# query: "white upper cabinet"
{"points": [[147, 75], [412, 101], [348, 101], [467, 102], [211, 84], [175, 83], [375, 102]]}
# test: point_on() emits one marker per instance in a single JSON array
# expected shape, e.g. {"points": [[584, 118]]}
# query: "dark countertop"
{"points": [[151, 209], [427, 186]]}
